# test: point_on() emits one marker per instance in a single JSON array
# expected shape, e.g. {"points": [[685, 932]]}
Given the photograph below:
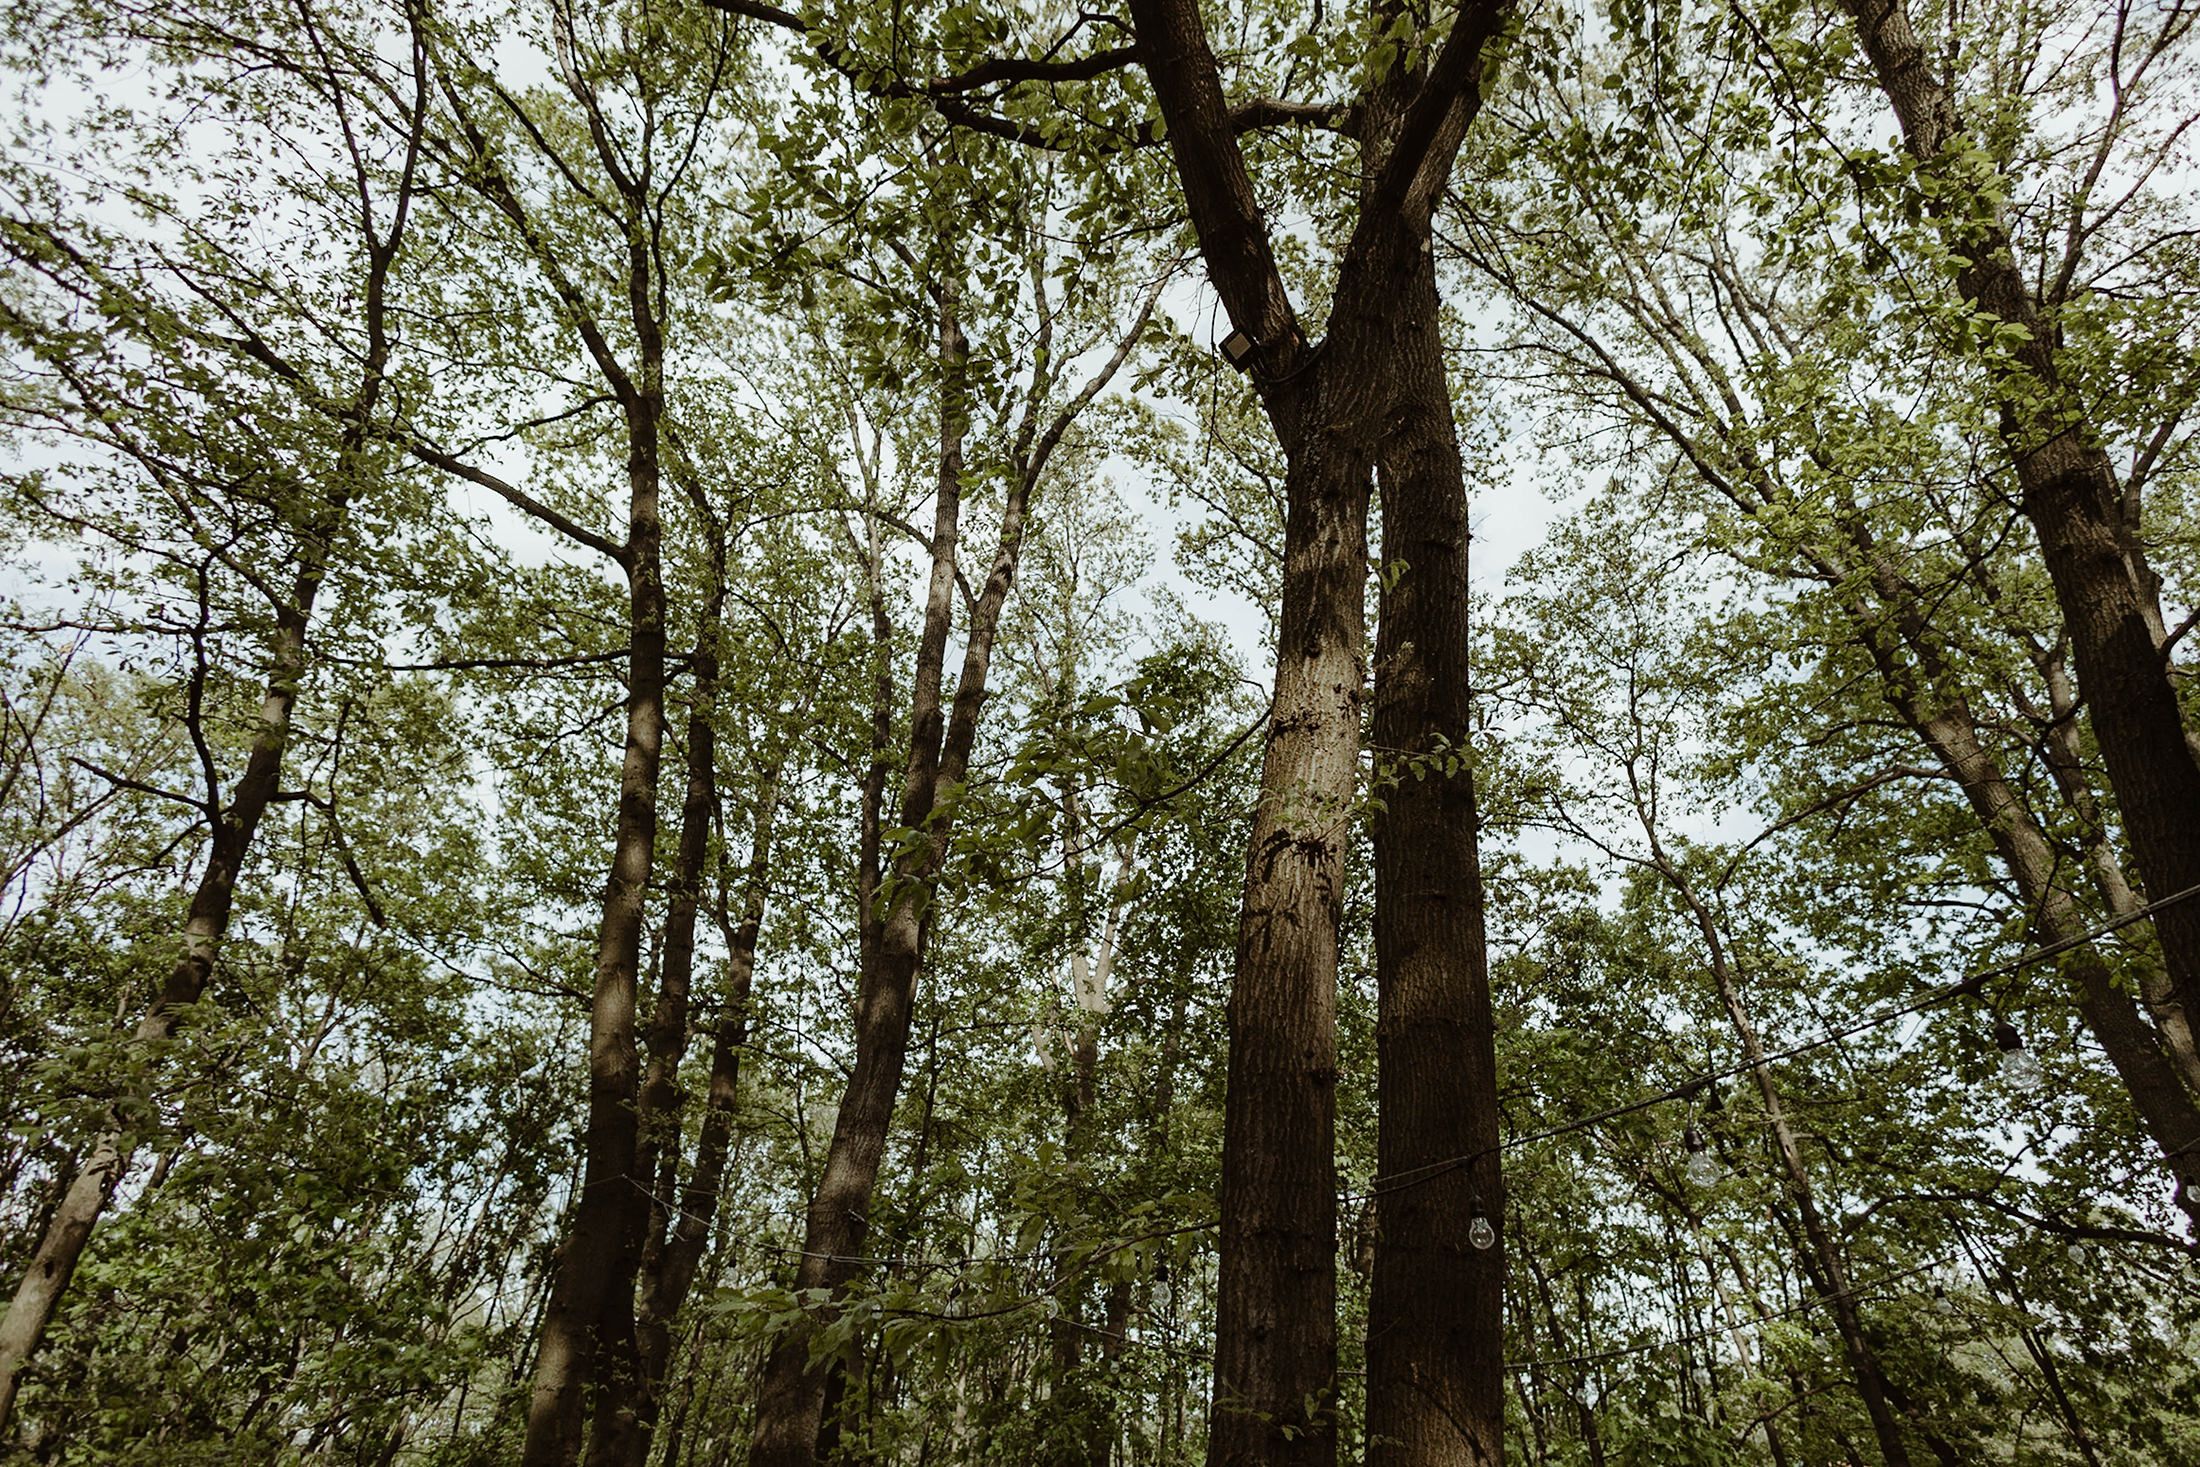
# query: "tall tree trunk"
{"points": [[791, 1400], [1890, 615], [2072, 495], [590, 1315], [942, 735], [1275, 1320], [1435, 1332], [1275, 1310], [2065, 761], [627, 1390], [666, 1285]]}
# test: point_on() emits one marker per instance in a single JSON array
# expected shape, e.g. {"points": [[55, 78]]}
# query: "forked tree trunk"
{"points": [[2072, 495], [894, 916], [1275, 1320], [675, 1221]]}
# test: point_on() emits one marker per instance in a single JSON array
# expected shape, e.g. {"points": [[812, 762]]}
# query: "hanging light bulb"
{"points": [[2020, 1068], [1479, 1232], [2075, 1252], [1702, 1168]]}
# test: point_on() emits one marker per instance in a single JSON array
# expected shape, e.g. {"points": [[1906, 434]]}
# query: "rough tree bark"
{"points": [[2073, 496], [1275, 1327], [1435, 1333]]}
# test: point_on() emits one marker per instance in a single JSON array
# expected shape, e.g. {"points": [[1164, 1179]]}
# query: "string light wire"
{"points": [[1969, 985], [1820, 1301], [1416, 1176]]}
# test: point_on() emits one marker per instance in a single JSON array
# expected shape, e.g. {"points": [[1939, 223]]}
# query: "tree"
{"points": [[2085, 514], [1800, 464], [208, 320]]}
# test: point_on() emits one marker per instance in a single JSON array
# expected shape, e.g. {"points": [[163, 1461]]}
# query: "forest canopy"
{"points": [[1256, 734]]}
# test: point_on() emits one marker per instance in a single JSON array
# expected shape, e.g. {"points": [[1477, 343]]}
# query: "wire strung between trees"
{"points": [[1968, 986], [1821, 1301]]}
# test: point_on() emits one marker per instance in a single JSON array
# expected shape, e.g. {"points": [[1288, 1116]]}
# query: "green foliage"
{"points": [[1694, 287]]}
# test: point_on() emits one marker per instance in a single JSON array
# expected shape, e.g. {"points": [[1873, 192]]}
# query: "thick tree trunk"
{"points": [[1275, 1310], [2073, 497], [1275, 1322], [590, 1316], [1435, 1334]]}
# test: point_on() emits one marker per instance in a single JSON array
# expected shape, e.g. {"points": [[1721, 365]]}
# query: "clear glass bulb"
{"points": [[1703, 1169], [1480, 1233], [2076, 1253], [2021, 1072]]}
